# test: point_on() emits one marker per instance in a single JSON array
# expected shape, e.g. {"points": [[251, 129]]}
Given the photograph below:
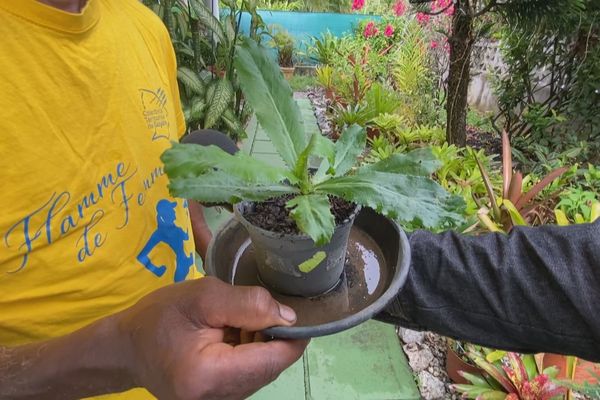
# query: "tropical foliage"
{"points": [[548, 91], [399, 186], [205, 48], [513, 377]]}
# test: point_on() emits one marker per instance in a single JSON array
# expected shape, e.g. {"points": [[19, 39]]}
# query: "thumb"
{"points": [[252, 308]]}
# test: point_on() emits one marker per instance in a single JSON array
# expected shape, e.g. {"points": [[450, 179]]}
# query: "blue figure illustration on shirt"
{"points": [[172, 235]]}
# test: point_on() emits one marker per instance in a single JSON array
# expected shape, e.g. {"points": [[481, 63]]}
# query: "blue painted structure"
{"points": [[303, 26]]}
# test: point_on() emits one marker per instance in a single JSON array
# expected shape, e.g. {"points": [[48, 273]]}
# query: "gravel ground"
{"points": [[320, 103], [426, 353]]}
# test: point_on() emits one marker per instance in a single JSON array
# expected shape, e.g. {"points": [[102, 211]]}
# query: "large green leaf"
{"points": [[221, 187], [272, 100], [406, 198], [313, 216], [190, 160], [420, 162], [207, 19], [191, 80], [347, 149], [219, 102]]}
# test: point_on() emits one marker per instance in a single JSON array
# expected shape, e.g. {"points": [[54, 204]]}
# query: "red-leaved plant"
{"points": [[514, 377]]}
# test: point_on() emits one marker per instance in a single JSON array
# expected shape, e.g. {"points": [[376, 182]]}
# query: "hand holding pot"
{"points": [[185, 340]]}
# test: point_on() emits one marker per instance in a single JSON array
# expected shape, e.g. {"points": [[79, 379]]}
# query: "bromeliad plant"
{"points": [[514, 206], [514, 377], [398, 187]]}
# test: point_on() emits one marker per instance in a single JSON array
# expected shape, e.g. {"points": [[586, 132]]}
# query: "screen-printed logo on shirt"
{"points": [[156, 113], [169, 233]]}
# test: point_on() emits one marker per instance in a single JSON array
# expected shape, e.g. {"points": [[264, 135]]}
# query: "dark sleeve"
{"points": [[534, 290]]}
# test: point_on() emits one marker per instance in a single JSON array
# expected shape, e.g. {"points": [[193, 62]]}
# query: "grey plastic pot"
{"points": [[279, 257]]}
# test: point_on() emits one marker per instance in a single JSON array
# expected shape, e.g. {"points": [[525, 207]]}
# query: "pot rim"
{"points": [[240, 217]]}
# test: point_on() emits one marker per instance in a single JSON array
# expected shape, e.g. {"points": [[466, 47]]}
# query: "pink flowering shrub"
{"points": [[370, 30], [399, 8], [358, 5], [446, 6], [389, 31], [423, 18]]}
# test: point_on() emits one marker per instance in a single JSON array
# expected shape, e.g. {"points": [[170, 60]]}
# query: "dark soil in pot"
{"points": [[272, 215]]}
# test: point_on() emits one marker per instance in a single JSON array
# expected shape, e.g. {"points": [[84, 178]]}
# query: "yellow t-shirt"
{"points": [[88, 103]]}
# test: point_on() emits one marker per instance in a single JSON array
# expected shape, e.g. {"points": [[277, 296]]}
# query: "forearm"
{"points": [[535, 290], [88, 362]]}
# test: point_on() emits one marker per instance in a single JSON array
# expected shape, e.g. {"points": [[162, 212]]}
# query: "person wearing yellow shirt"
{"points": [[97, 288]]}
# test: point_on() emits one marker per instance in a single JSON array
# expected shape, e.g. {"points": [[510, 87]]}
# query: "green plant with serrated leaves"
{"points": [[285, 45], [398, 187]]}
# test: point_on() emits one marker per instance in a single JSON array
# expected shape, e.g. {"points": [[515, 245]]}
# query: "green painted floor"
{"points": [[363, 363]]}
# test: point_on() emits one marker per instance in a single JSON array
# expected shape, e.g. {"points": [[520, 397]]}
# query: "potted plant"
{"points": [[514, 377], [298, 218], [324, 74], [457, 362], [284, 43]]}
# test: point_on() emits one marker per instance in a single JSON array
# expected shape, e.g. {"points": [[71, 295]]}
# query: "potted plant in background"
{"points": [[458, 363], [512, 377], [285, 45], [205, 49], [305, 258], [324, 74]]}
